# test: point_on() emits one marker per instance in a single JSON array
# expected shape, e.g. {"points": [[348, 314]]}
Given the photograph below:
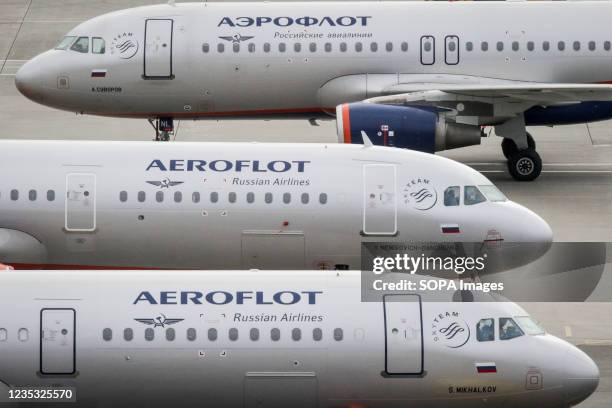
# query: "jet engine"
{"points": [[409, 127]]}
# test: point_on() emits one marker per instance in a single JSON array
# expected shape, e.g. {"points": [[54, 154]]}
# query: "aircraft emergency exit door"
{"points": [[403, 334], [158, 49]]}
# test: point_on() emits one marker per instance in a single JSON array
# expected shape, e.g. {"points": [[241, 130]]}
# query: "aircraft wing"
{"points": [[495, 101]]}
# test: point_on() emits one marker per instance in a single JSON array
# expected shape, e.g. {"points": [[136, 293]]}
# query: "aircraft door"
{"points": [[451, 50], [379, 199], [80, 202], [428, 50], [158, 49], [57, 341], [403, 334]]}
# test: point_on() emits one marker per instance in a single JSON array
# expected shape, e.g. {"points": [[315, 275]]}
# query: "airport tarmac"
{"points": [[574, 192]]}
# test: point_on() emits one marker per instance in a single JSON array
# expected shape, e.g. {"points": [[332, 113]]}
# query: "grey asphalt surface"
{"points": [[574, 193]]}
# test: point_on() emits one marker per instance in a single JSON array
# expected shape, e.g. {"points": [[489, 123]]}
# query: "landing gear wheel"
{"points": [[525, 165], [509, 146]]}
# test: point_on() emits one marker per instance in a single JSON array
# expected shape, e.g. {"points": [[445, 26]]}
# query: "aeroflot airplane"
{"points": [[257, 339], [240, 205], [419, 75]]}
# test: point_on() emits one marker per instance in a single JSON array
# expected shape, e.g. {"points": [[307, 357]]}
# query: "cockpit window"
{"points": [[98, 45], [65, 43], [529, 326], [81, 45], [508, 329], [485, 330], [451, 196], [492, 193], [471, 195]]}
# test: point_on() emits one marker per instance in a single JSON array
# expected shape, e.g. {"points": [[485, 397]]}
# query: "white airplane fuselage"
{"points": [[258, 339], [239, 205], [235, 59]]}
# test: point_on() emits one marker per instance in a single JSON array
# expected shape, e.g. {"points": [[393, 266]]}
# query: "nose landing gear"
{"points": [[164, 128]]}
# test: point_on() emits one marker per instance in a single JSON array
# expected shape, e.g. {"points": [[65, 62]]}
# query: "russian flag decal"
{"points": [[98, 73], [483, 368], [450, 228]]}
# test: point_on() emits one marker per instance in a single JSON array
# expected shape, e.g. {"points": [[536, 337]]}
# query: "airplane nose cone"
{"points": [[27, 81], [582, 376]]}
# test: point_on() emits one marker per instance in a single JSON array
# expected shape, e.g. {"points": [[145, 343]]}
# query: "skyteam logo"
{"points": [[450, 329], [124, 45], [305, 21], [420, 194]]}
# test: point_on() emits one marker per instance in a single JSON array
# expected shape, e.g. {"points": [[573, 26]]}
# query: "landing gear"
{"points": [[164, 128], [525, 165], [518, 146], [509, 146]]}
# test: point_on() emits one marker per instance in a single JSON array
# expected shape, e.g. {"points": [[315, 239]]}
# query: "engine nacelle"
{"points": [[407, 127]]}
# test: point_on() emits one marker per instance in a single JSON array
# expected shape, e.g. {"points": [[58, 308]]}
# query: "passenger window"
{"points": [[142, 196], [32, 195], [427, 46], [178, 196], [98, 46], [508, 329], [65, 43], [451, 196], [546, 46], [123, 196], [328, 47], [268, 198], [374, 47], [338, 334], [500, 46], [107, 334], [592, 46], [317, 334], [343, 47], [14, 195], [250, 198], [297, 47], [233, 334], [266, 47], [472, 195], [358, 46], [50, 195], [275, 334], [195, 197], [236, 47], [389, 46], [81, 45], [296, 334], [323, 198], [205, 48], [282, 47], [23, 335], [220, 48], [287, 198], [305, 198], [312, 47], [404, 46], [128, 334], [212, 334], [484, 46], [254, 334], [485, 330], [251, 47], [515, 46], [170, 334], [607, 45], [191, 334], [561, 45], [576, 45], [149, 334], [530, 46], [159, 196], [469, 46], [3, 334], [231, 197], [214, 197]]}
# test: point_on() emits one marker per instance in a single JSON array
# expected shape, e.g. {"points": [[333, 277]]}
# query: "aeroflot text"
{"points": [[220, 297], [255, 166]]}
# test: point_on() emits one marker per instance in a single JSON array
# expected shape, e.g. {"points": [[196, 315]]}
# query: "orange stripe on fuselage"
{"points": [[346, 123]]}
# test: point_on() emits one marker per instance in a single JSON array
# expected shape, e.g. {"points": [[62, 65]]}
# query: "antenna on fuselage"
{"points": [[366, 140]]}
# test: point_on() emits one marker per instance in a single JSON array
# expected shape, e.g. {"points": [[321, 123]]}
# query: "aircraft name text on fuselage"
{"points": [[306, 21], [255, 166], [221, 297]]}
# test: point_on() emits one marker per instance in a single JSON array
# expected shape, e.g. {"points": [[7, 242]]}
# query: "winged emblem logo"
{"points": [[236, 38], [159, 321], [165, 183]]}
